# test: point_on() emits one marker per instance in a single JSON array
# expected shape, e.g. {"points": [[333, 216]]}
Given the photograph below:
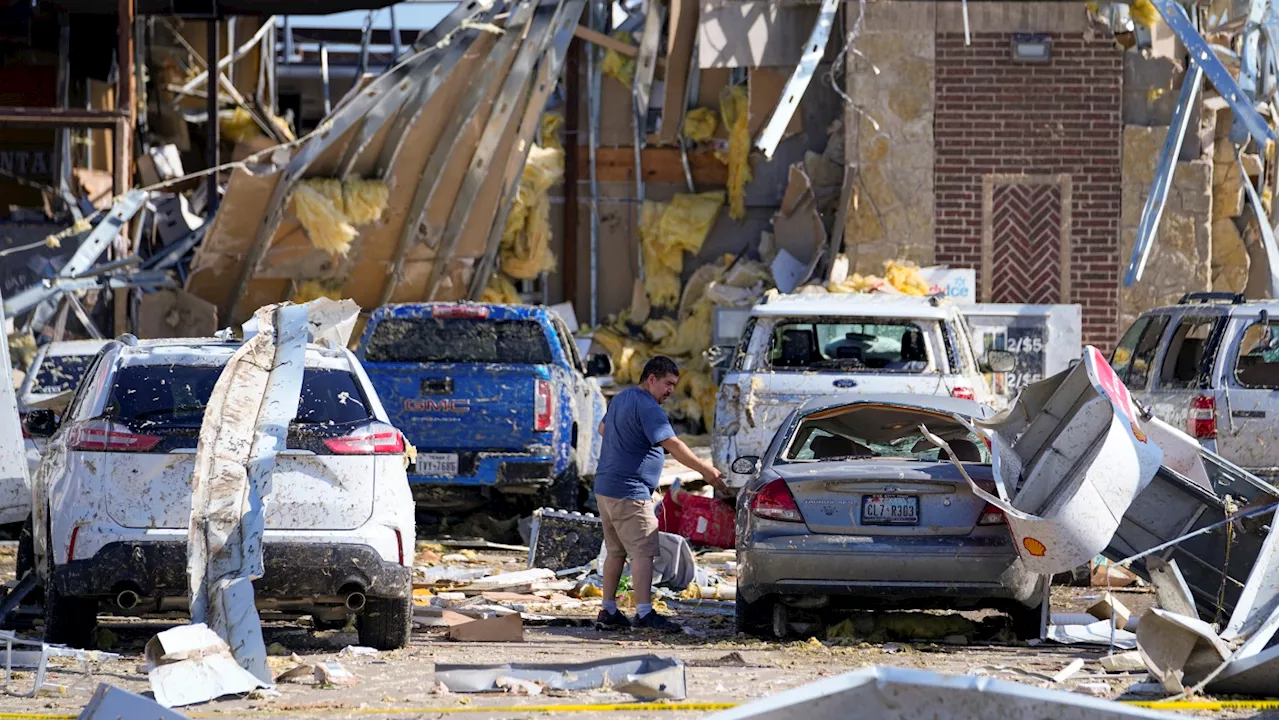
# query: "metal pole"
{"points": [[288, 41], [124, 97], [324, 77], [365, 34], [269, 48], [211, 126], [231, 44], [572, 109], [63, 162], [396, 49], [593, 142]]}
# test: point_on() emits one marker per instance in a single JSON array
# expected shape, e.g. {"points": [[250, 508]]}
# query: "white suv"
{"points": [[796, 347], [1209, 365], [112, 498]]}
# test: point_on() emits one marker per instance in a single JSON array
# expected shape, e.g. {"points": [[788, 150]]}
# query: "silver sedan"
{"points": [[851, 508]]}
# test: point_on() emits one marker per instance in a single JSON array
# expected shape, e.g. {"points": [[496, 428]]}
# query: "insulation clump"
{"points": [[364, 200], [325, 224], [549, 137], [619, 66], [525, 249], [667, 231], [700, 124], [501, 291], [900, 277], [733, 111]]}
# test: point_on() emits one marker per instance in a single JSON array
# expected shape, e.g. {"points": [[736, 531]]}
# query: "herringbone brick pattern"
{"points": [[1026, 249]]}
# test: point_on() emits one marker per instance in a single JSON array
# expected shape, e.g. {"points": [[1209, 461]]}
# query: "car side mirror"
{"points": [[599, 365], [999, 361], [746, 465], [40, 423]]}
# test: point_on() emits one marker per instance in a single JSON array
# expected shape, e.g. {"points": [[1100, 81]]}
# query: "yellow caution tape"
{"points": [[1205, 704], [590, 707]]}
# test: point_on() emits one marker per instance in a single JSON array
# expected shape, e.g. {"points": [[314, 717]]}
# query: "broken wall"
{"points": [[1180, 258], [892, 83]]}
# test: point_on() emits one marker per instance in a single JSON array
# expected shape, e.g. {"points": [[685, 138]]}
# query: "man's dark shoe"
{"points": [[611, 620], [654, 621]]}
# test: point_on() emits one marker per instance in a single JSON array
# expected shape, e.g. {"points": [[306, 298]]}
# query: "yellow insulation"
{"points": [[526, 241], [687, 219], [619, 66], [316, 289], [550, 135], [326, 225], [700, 124], [1144, 13], [364, 200], [501, 290], [629, 356], [902, 276], [733, 111], [331, 188], [667, 230], [237, 126]]}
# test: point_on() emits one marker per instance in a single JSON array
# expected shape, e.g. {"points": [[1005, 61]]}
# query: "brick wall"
{"points": [[997, 117]]}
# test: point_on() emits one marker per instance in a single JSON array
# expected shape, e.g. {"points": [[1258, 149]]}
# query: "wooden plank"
{"points": [[661, 165], [682, 30], [608, 42]]}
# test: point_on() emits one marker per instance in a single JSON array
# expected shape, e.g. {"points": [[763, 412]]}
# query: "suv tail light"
{"points": [[543, 405], [963, 393], [105, 436], [372, 439], [1201, 423], [992, 515], [774, 502]]}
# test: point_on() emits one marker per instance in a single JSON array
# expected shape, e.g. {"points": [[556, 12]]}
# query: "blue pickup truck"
{"points": [[495, 398]]}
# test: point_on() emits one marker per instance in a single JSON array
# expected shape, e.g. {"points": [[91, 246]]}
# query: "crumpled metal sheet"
{"points": [[244, 426], [885, 693], [646, 676]]}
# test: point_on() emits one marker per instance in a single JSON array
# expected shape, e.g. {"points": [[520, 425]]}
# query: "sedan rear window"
{"points": [[880, 431], [176, 395], [60, 373], [852, 344], [459, 340]]}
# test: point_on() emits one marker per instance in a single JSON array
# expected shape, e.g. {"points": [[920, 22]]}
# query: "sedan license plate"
{"points": [[441, 464], [890, 510]]}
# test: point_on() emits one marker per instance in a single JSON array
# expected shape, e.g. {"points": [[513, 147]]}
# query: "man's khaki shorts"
{"points": [[630, 527]]}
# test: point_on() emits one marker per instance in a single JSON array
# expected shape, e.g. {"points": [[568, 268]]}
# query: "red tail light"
{"points": [[71, 546], [774, 502], [375, 439], [543, 406], [21, 423], [100, 436], [992, 515], [1201, 423], [400, 546], [963, 393], [469, 312]]}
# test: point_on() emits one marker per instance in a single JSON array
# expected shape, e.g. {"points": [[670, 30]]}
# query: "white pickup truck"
{"points": [[796, 347]]}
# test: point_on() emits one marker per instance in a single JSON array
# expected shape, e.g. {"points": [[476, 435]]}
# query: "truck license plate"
{"points": [[441, 464], [890, 510]]}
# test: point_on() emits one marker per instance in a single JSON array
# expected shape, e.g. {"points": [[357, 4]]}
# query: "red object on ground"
{"points": [[703, 520]]}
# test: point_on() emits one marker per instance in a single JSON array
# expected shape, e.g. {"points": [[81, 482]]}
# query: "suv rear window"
{"points": [[176, 395], [1257, 364], [879, 344], [60, 373], [459, 340]]}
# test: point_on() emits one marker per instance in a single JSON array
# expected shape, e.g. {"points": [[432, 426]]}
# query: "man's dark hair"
{"points": [[659, 366]]}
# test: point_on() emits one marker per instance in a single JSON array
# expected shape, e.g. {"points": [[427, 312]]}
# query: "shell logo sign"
{"points": [[1034, 546]]}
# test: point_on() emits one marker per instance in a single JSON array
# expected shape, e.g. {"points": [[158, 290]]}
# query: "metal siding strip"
{"points": [[799, 81]]}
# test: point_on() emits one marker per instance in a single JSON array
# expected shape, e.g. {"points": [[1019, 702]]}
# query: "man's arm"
{"points": [[601, 428], [685, 456]]}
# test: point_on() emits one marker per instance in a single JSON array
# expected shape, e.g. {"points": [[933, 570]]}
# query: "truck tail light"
{"points": [[1201, 423], [372, 439], [543, 405], [963, 393], [774, 502], [400, 546], [992, 515], [466, 312], [103, 436]]}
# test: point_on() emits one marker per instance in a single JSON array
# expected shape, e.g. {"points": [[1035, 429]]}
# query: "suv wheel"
{"points": [[386, 623], [68, 620], [330, 624], [753, 618]]}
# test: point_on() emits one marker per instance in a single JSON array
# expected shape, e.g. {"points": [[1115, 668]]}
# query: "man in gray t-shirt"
{"points": [[635, 431]]}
